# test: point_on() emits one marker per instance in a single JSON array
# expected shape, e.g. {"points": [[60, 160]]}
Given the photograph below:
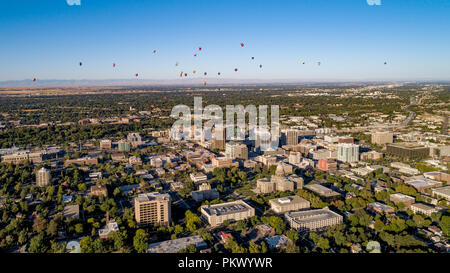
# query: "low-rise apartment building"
{"points": [[378, 207], [402, 198], [441, 193], [215, 215], [311, 220], [290, 203], [423, 209]]}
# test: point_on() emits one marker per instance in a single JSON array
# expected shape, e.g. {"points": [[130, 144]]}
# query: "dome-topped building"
{"points": [[282, 180]]}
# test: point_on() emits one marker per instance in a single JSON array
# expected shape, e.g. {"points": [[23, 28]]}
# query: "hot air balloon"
{"points": [[199, 48], [260, 66], [205, 73], [218, 73], [81, 63], [34, 79], [181, 74], [114, 65], [185, 74], [195, 55], [385, 63], [242, 44], [303, 62], [177, 63], [154, 51], [204, 83], [318, 63], [136, 75], [193, 71], [253, 58], [235, 69]]}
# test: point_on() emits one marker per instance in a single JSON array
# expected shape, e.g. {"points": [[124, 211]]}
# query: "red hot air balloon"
{"points": [[200, 49], [136, 75], [154, 51], [242, 44], [195, 55], [114, 65], [181, 74]]}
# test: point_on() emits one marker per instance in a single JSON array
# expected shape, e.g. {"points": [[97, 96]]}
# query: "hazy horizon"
{"points": [[200, 82]]}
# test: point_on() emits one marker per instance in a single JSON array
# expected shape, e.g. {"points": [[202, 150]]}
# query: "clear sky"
{"points": [[47, 39]]}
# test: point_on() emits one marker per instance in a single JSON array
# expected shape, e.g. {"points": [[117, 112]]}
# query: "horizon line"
{"points": [[28, 83]]}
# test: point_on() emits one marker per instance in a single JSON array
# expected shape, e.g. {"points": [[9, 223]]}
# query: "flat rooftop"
{"points": [[408, 145], [402, 197], [308, 216], [423, 206], [289, 200], [347, 145], [173, 246], [380, 206], [444, 190], [421, 183], [144, 197], [400, 164], [321, 190], [227, 208]]}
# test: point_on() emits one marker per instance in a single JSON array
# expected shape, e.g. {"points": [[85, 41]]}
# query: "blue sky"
{"points": [[47, 38]]}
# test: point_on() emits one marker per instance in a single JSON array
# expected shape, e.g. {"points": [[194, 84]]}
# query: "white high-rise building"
{"points": [[43, 177], [348, 152], [264, 141]]}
